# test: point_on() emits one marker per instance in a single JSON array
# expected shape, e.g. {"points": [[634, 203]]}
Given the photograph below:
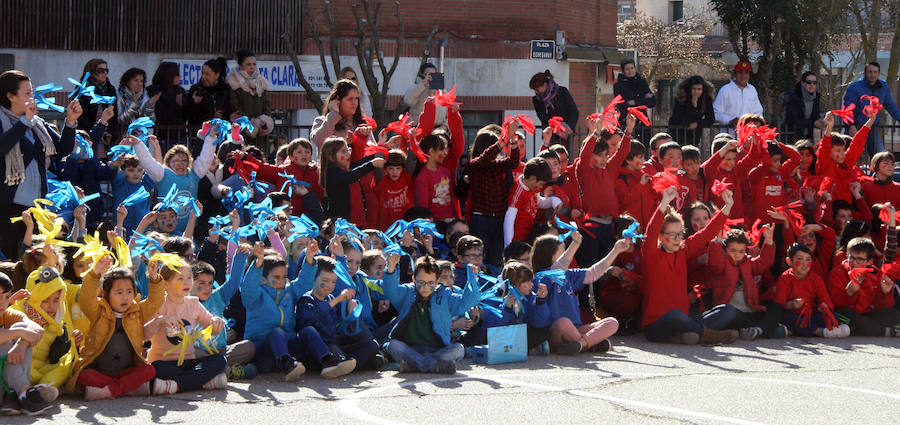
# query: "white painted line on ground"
{"points": [[808, 384], [659, 407]]}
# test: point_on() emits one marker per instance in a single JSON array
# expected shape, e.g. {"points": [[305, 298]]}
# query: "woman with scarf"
{"points": [[133, 102], [801, 112], [92, 111], [26, 143], [692, 111], [635, 92], [250, 97], [553, 100]]}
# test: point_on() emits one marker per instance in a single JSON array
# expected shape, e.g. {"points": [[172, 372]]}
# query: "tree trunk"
{"points": [[894, 63]]}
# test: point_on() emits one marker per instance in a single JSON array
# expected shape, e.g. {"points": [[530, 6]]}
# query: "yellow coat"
{"points": [[79, 319], [43, 283], [103, 323]]}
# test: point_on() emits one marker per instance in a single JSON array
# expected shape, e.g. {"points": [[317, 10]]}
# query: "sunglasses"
{"points": [[812, 83], [101, 70]]}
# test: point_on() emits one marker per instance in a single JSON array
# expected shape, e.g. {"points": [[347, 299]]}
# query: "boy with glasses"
{"points": [[863, 293]]}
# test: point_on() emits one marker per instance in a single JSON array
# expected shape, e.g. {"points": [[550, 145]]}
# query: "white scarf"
{"points": [[15, 165], [254, 84]]}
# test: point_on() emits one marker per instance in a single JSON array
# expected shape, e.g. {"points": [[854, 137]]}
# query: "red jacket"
{"points": [[724, 274], [394, 198], [665, 273], [652, 166], [821, 262], [737, 177], [635, 199], [836, 178], [877, 192], [269, 173], [811, 288], [767, 189], [867, 299], [598, 184]]}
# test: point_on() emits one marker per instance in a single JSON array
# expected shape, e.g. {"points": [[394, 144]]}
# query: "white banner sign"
{"points": [[280, 74]]}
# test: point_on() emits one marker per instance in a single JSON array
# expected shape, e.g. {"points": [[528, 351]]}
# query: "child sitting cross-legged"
{"points": [[111, 362], [798, 289]]}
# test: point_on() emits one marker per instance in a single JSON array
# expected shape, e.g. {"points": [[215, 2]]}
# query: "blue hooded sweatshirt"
{"points": [[368, 290], [561, 297], [267, 308], [535, 312]]}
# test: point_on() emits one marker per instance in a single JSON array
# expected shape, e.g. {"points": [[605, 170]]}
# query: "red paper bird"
{"points": [[805, 315], [417, 151], [874, 105], [611, 115], [794, 217], [446, 99], [892, 269], [744, 131], [765, 133], [525, 122], [369, 121], [755, 233], [885, 216], [636, 111], [373, 149], [734, 222], [720, 186], [556, 123], [830, 321], [400, 127], [663, 180], [846, 113], [697, 291], [856, 273]]}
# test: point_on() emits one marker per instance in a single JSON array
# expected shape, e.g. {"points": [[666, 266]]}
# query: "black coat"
{"points": [[168, 111], [683, 114], [91, 111], [796, 124], [636, 89], [563, 106], [215, 98]]}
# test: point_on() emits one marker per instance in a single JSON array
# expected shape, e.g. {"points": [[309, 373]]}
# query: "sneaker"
{"points": [[712, 336], [337, 365], [407, 367], [686, 338], [782, 331], [239, 371], [295, 372], [751, 333], [219, 382], [444, 367], [570, 348], [48, 392], [377, 362], [33, 404], [141, 390], [542, 349], [469, 352], [9, 406], [96, 393], [164, 386], [841, 331]]}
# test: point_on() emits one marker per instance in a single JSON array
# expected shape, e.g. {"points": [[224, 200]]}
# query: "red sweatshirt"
{"points": [[635, 199], [810, 288], [877, 192], [269, 173], [821, 263], [737, 177], [724, 274], [836, 178], [652, 166], [394, 198], [598, 184], [665, 273], [767, 188], [867, 299]]}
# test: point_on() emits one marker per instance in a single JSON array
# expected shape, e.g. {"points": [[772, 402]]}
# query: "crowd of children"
{"points": [[389, 250]]}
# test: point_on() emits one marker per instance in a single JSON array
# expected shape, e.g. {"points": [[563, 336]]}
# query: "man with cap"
{"points": [[738, 97]]}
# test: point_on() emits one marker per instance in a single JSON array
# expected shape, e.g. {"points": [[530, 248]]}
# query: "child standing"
{"points": [[883, 188], [433, 184], [394, 191], [111, 362], [341, 180], [837, 157], [128, 179], [300, 166], [525, 200], [633, 186], [178, 368]]}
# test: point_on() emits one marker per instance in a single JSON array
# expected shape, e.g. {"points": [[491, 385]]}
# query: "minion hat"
{"points": [[42, 283]]}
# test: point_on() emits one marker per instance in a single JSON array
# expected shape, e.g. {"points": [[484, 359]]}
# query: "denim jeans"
{"points": [[424, 358], [675, 322], [490, 231]]}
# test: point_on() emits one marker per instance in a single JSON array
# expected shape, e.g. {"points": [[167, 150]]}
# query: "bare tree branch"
{"points": [[311, 94], [318, 40], [333, 42]]}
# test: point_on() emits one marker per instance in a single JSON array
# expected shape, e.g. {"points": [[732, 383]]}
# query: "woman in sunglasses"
{"points": [[801, 112], [92, 111]]}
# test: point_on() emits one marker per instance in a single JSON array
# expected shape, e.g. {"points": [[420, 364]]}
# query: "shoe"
{"points": [[285, 363], [782, 331], [48, 392], [33, 404], [751, 333], [96, 393], [9, 406], [337, 365], [444, 367], [407, 367], [377, 362], [841, 331], [164, 386], [141, 390], [687, 338], [295, 373], [711, 336], [239, 371], [468, 352], [219, 382], [602, 346], [570, 348], [542, 349]]}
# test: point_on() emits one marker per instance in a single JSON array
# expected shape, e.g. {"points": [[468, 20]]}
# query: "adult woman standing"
{"points": [[133, 102], [416, 95], [250, 97], [348, 73], [210, 97], [26, 142], [99, 80], [692, 111], [635, 91], [170, 108], [553, 100], [801, 112]]}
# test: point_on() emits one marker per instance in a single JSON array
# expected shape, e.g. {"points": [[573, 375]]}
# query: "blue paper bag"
{"points": [[506, 344]]}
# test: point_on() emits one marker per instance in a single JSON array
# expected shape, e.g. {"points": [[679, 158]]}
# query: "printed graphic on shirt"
{"points": [[773, 190], [397, 199], [442, 192]]}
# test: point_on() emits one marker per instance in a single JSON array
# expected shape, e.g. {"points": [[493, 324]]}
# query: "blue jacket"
{"points": [[561, 298], [535, 312], [460, 275], [267, 308], [221, 296], [366, 293], [317, 313], [87, 175], [857, 89], [445, 304]]}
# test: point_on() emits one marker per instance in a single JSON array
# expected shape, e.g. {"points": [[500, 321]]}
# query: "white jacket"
{"points": [[733, 101]]}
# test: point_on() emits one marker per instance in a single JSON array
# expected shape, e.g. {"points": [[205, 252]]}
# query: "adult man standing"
{"points": [[738, 97], [870, 85]]}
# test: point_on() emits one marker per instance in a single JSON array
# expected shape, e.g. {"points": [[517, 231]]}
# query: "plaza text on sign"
{"points": [[543, 49], [280, 74]]}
